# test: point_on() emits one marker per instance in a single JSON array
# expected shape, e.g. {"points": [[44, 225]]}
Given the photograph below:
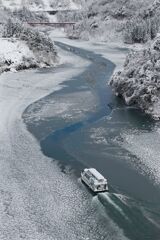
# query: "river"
{"points": [[85, 125]]}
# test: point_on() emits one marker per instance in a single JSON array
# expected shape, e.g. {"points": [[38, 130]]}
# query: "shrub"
{"points": [[39, 43]]}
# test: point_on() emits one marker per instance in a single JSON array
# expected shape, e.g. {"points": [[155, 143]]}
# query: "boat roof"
{"points": [[96, 174]]}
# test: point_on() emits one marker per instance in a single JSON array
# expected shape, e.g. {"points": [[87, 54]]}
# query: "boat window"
{"points": [[100, 180], [87, 176]]}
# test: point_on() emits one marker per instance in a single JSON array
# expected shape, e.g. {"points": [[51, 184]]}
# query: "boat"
{"points": [[94, 180]]}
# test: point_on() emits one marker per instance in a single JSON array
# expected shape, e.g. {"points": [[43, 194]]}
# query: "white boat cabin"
{"points": [[94, 180]]}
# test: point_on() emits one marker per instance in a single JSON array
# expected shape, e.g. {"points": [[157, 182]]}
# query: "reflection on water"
{"points": [[94, 140]]}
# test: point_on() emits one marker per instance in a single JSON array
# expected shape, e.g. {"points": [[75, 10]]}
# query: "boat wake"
{"points": [[108, 197], [128, 215]]}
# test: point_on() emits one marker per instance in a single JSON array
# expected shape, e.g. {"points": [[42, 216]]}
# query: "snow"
{"points": [[14, 51], [74, 6], [118, 20], [138, 83], [34, 5], [37, 201], [23, 48], [11, 3]]}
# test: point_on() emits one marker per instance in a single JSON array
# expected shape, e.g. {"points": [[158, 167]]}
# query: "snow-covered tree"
{"points": [[41, 45], [25, 15], [139, 30], [131, 20], [139, 82], [12, 28]]}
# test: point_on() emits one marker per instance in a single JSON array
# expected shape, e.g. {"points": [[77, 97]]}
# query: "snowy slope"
{"points": [[41, 4]]}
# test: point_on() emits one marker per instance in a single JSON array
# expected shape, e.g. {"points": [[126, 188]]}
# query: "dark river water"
{"points": [[88, 135]]}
